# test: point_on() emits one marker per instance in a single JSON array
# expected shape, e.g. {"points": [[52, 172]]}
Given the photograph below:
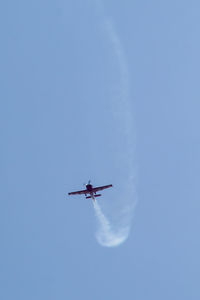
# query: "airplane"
{"points": [[92, 191]]}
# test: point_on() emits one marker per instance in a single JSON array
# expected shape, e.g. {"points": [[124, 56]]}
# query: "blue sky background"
{"points": [[58, 74]]}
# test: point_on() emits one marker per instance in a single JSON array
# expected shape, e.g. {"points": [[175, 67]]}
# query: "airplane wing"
{"points": [[79, 192], [100, 188]]}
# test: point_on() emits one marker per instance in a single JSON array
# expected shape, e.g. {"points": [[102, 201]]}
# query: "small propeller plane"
{"points": [[92, 191]]}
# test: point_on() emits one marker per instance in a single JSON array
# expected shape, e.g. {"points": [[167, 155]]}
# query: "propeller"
{"points": [[89, 182]]}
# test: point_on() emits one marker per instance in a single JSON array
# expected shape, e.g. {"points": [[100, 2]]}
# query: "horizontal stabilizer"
{"points": [[98, 195]]}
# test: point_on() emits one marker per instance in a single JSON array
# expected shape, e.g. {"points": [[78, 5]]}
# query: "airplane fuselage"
{"points": [[89, 188]]}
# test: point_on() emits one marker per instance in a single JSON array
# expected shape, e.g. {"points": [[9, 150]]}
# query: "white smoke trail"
{"points": [[106, 236], [115, 234]]}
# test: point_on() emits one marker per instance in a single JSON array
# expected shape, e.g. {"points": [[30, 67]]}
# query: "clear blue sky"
{"points": [[58, 73]]}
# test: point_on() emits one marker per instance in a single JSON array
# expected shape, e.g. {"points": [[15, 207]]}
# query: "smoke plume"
{"points": [[106, 235], [113, 233]]}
